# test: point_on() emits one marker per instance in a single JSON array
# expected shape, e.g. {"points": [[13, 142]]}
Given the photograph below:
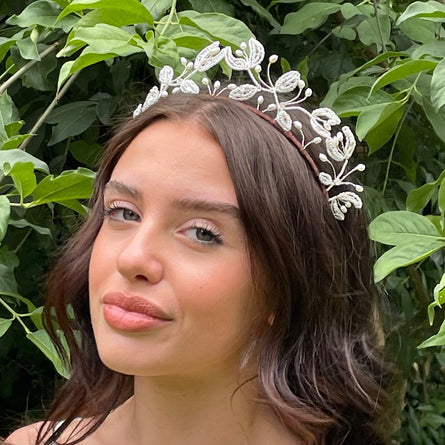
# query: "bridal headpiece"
{"points": [[248, 58]]}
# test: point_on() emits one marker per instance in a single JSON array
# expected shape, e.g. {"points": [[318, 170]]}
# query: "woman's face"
{"points": [[170, 283]]}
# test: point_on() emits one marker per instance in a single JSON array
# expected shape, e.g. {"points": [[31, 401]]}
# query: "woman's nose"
{"points": [[140, 257]]}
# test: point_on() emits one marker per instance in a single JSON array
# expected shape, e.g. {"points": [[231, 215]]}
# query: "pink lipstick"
{"points": [[132, 313]]}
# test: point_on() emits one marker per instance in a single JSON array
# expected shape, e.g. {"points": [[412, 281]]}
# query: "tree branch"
{"points": [[26, 67]]}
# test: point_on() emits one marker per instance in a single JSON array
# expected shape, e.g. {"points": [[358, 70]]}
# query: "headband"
{"points": [[248, 59]]}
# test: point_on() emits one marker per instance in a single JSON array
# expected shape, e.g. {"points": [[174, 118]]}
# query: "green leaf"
{"points": [[431, 10], [348, 10], [375, 115], [397, 227], [418, 198], [5, 212], [371, 31], [22, 223], [384, 130], [434, 49], [24, 178], [86, 153], [102, 38], [38, 75], [70, 185], [118, 15], [71, 119], [403, 70], [419, 30], [220, 6], [228, 30], [405, 254], [8, 114], [441, 198], [28, 49], [310, 16], [261, 12], [133, 7], [436, 118], [4, 325], [345, 32], [15, 155], [438, 86], [42, 340], [39, 12], [157, 8], [435, 340], [7, 42], [8, 262]]}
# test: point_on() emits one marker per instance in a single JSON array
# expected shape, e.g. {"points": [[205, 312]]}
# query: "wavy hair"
{"points": [[320, 366]]}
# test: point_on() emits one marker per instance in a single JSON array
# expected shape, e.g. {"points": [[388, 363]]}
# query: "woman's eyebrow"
{"points": [[123, 188], [207, 206]]}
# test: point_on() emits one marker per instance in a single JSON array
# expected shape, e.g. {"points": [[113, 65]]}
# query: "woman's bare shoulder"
{"points": [[24, 436]]}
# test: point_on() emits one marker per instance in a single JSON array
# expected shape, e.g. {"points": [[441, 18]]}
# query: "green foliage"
{"points": [[70, 67]]}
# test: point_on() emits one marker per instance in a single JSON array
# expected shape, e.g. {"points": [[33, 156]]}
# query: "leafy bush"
{"points": [[69, 68]]}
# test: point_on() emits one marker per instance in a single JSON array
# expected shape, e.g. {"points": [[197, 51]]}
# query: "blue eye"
{"points": [[204, 235], [121, 213]]}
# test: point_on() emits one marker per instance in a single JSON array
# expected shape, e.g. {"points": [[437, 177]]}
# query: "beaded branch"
{"points": [[248, 59]]}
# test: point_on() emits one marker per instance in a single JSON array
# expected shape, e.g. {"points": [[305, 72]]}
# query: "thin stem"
{"points": [[26, 67], [19, 246], [170, 17], [15, 315], [10, 67], [393, 146], [379, 25], [320, 43], [55, 101]]}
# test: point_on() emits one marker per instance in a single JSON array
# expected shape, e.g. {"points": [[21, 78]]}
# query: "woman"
{"points": [[217, 297]]}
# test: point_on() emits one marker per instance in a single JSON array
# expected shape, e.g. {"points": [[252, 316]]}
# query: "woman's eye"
{"points": [[122, 213], [204, 235]]}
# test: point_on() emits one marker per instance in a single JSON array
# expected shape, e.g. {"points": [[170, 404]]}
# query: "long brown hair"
{"points": [[319, 363]]}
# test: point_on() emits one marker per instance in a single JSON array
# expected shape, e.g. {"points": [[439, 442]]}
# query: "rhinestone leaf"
{"points": [[256, 54], [336, 210], [243, 92], [152, 98], [235, 63], [321, 116], [137, 111], [325, 178], [349, 145], [284, 120], [333, 149], [209, 57], [287, 82], [189, 87], [166, 74]]}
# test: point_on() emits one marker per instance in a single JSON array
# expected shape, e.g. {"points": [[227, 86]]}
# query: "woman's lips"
{"points": [[132, 313]]}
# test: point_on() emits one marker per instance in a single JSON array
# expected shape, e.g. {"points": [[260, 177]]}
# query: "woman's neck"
{"points": [[197, 412]]}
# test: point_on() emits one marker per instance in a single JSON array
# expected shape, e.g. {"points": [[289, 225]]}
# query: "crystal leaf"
{"points": [[287, 82], [327, 114], [256, 54], [349, 145], [209, 57], [187, 86], [152, 98], [325, 178], [243, 92], [351, 197], [335, 208], [333, 148], [138, 111], [284, 120], [166, 74], [235, 63]]}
